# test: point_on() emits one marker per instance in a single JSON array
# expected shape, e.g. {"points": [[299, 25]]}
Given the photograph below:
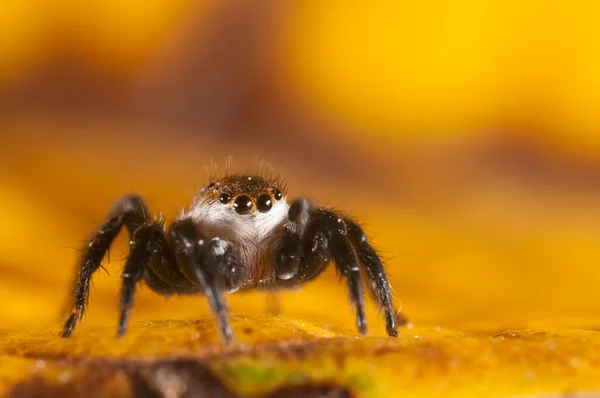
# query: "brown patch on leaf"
{"points": [[172, 378]]}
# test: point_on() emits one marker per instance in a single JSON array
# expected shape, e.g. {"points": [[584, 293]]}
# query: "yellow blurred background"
{"points": [[463, 134]]}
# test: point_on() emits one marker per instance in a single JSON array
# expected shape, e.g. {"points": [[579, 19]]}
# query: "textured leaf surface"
{"points": [[271, 354], [463, 135]]}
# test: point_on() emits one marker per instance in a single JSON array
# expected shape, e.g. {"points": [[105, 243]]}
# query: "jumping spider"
{"points": [[238, 234]]}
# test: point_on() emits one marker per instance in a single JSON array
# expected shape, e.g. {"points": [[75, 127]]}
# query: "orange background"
{"points": [[464, 134]]}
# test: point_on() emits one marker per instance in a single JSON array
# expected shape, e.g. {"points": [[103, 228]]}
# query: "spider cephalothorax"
{"points": [[247, 212], [238, 233]]}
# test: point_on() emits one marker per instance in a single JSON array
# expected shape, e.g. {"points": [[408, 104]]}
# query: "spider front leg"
{"points": [[186, 249], [130, 211], [207, 263], [310, 240], [313, 237], [289, 256]]}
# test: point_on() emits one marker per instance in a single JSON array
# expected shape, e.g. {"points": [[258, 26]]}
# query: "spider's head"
{"points": [[247, 212], [245, 194]]}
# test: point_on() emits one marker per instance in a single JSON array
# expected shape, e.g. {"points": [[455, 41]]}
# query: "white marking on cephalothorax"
{"points": [[285, 276], [219, 247], [252, 236]]}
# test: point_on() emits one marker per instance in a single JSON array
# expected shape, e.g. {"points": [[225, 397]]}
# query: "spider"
{"points": [[238, 234]]}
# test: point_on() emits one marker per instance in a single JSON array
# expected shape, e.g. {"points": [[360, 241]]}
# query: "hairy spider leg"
{"points": [[152, 258], [288, 258], [377, 282], [273, 304], [345, 259], [143, 243], [200, 260], [324, 238], [130, 211], [294, 265], [195, 257]]}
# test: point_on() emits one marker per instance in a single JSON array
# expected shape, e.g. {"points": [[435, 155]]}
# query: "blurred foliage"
{"points": [[463, 134], [460, 67]]}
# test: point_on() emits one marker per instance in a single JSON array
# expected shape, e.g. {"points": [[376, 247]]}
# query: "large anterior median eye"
{"points": [[224, 198], [242, 204], [264, 203]]}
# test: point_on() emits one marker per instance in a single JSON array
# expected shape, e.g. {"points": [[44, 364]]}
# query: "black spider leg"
{"points": [[130, 211], [201, 261], [290, 254], [345, 259], [377, 282], [311, 239], [146, 240], [273, 305], [198, 259]]}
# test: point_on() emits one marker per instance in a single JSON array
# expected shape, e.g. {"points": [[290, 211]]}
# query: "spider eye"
{"points": [[277, 193], [224, 198], [242, 204], [264, 203]]}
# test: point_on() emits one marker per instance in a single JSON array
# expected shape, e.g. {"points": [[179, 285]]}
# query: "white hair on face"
{"points": [[252, 236]]}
